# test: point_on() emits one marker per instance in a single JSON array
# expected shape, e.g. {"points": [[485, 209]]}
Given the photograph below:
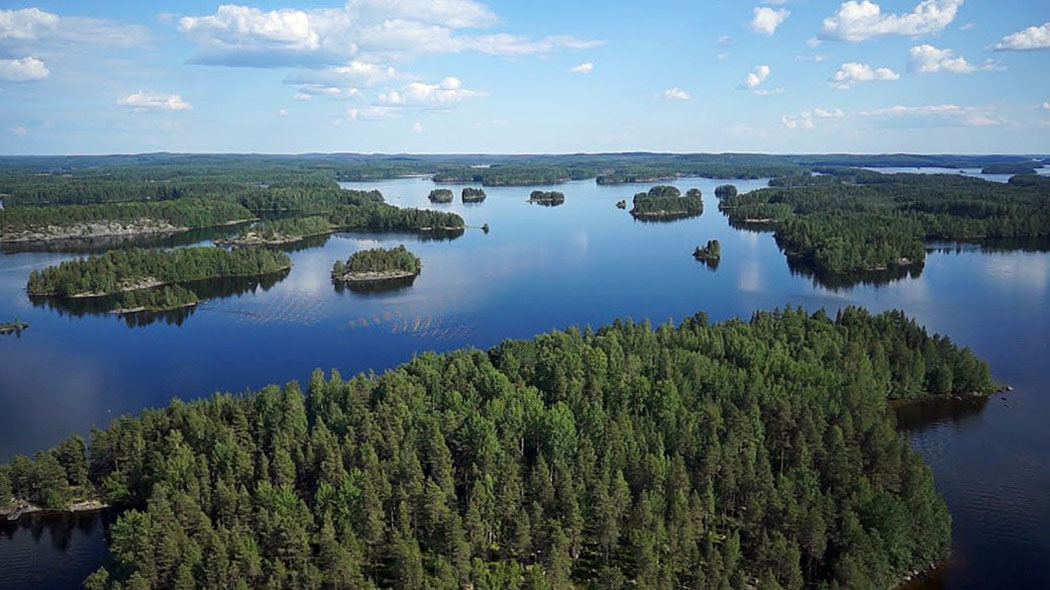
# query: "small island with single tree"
{"points": [[473, 195], [547, 198], [14, 327], [440, 195], [665, 202], [710, 253], [377, 264]]}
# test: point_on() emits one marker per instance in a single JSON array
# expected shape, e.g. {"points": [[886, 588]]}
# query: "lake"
{"points": [[538, 269]]}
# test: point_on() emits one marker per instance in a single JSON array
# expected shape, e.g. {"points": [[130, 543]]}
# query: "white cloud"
{"points": [[676, 94], [35, 28], [927, 59], [1028, 39], [859, 21], [813, 42], [443, 95], [142, 100], [766, 20], [26, 23], [370, 30], [853, 73], [584, 68], [417, 127], [808, 119], [725, 41], [757, 77], [283, 112], [372, 113], [769, 91], [306, 91], [1045, 106], [23, 70], [941, 114]]}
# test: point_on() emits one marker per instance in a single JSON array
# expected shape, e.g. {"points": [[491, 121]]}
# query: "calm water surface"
{"points": [[540, 268]]}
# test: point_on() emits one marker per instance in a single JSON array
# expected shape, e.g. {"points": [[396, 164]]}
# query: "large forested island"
{"points": [[666, 202], [136, 269], [377, 264], [746, 454], [852, 220]]}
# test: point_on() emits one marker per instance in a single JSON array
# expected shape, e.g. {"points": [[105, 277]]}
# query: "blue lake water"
{"points": [[539, 268]]}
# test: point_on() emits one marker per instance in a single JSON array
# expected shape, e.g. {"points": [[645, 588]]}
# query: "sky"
{"points": [[538, 76]]}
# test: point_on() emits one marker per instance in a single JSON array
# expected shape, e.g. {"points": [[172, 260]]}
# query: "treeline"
{"points": [[284, 229], [125, 270], [165, 298], [753, 453], [379, 260], [857, 220], [667, 202], [383, 217], [183, 213]]}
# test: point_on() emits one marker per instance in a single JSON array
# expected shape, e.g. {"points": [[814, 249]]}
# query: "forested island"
{"points": [[665, 202], [754, 453], [377, 264], [547, 198], [858, 221], [711, 253], [14, 327], [136, 269], [472, 195], [725, 191], [440, 195]]}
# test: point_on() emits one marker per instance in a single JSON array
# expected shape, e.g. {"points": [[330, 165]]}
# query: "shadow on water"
{"points": [[103, 244], [444, 235], [55, 551], [374, 287], [915, 416], [992, 245], [843, 281], [205, 290]]}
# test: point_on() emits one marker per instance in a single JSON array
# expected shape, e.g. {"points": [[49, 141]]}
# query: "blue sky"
{"points": [[452, 76]]}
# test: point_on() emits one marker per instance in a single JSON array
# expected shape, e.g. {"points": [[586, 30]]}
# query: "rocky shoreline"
{"points": [[371, 276], [100, 229], [17, 509]]}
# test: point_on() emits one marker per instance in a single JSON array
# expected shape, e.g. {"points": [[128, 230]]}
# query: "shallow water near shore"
{"points": [[541, 268]]}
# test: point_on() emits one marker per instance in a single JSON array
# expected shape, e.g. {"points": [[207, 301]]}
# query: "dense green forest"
{"points": [[548, 198], [857, 220], [667, 202], [134, 268], [725, 191], [440, 195], [383, 217], [1011, 168], [755, 453], [183, 213], [378, 260], [165, 298], [472, 195]]}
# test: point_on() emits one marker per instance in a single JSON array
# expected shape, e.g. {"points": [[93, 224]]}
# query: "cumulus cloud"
{"points": [[927, 59], [584, 68], [308, 91], [143, 100], [372, 30], [1028, 39], [23, 70], [443, 95], [756, 77], [859, 21], [853, 73], [676, 94], [766, 20], [938, 115], [26, 23]]}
